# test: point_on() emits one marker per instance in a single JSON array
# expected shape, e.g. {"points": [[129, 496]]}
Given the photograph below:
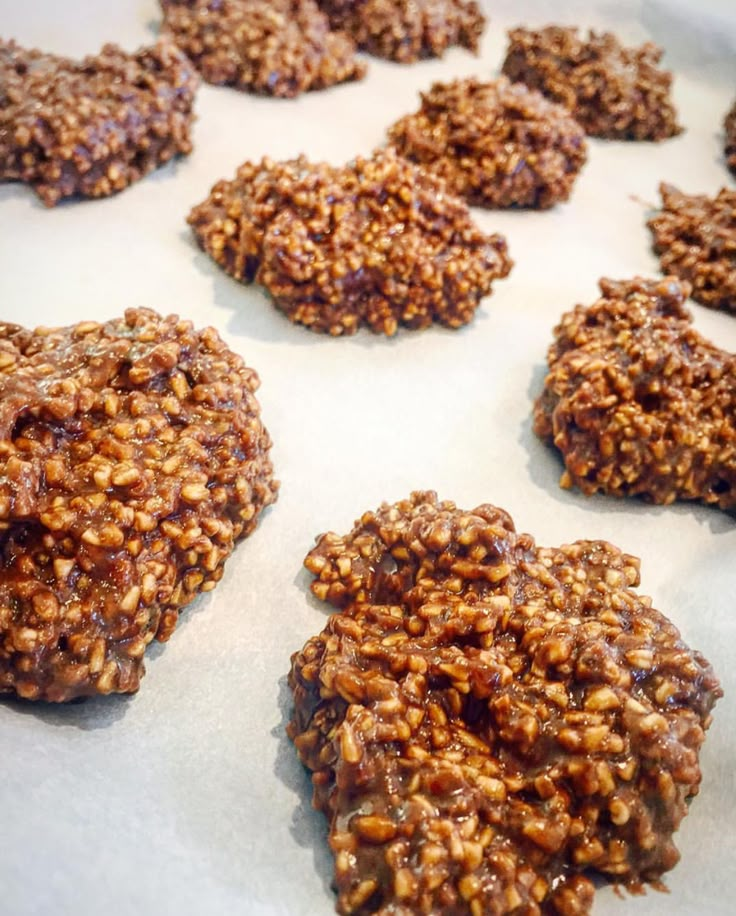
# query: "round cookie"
{"points": [[376, 242], [92, 127], [614, 92], [489, 722], [274, 47], [407, 30], [132, 459], [695, 238], [638, 402], [495, 144]]}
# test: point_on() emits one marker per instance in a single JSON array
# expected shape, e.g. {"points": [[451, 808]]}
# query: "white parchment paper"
{"points": [[187, 798]]}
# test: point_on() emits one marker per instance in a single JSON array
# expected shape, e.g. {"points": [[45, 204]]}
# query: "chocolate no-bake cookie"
{"points": [[695, 238], [274, 47], [375, 242], [638, 402], [488, 722], [408, 30], [132, 458], [94, 126], [730, 148], [615, 92], [496, 144]]}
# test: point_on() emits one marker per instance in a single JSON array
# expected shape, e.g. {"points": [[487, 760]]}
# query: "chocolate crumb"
{"points": [[376, 242], [132, 459], [92, 127], [638, 402], [488, 722], [730, 128], [496, 144], [615, 92]]}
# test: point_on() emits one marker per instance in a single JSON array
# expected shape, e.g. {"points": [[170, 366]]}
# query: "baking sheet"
{"points": [[187, 798]]}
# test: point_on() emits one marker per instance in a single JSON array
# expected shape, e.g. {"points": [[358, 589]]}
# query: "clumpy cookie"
{"points": [[695, 238], [730, 127], [94, 126], [132, 459], [496, 144], [274, 47], [489, 721], [408, 30], [638, 402], [613, 92], [375, 243]]}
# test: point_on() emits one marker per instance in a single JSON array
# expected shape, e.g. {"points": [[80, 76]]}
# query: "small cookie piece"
{"points": [[730, 128], [273, 47], [487, 721], [616, 93], [408, 30], [638, 402], [695, 238], [376, 242], [92, 127], [132, 459], [496, 144]]}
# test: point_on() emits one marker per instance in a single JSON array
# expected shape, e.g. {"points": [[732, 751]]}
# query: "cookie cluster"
{"points": [[132, 460], [487, 721]]}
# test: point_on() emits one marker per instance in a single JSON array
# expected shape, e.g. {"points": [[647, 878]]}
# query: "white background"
{"points": [[187, 798]]}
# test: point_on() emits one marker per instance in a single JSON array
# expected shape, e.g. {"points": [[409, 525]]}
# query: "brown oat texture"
{"points": [[730, 148], [408, 30], [132, 459], [90, 128], [614, 92], [497, 144], [638, 402], [274, 47], [377, 242], [695, 238], [490, 723]]}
